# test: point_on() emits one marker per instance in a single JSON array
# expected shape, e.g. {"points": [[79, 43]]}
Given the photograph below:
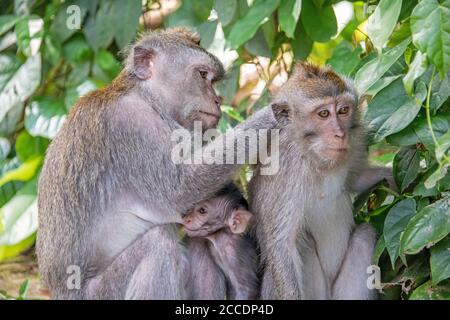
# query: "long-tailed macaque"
{"points": [[221, 222], [109, 192], [310, 245]]}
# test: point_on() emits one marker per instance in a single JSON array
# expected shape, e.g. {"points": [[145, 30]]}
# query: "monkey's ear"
{"points": [[143, 62], [282, 112], [239, 220]]}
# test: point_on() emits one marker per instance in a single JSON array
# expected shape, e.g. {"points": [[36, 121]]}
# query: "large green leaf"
{"points": [[28, 147], [99, 29], [24, 172], [126, 20], [391, 110], [416, 69], [319, 22], [427, 227], [7, 252], [382, 22], [21, 85], [373, 70], [44, 117], [19, 216], [418, 131], [226, 10], [60, 27], [302, 44], [406, 167], [440, 261], [7, 22], [288, 15], [345, 58], [428, 292], [430, 26], [203, 8], [29, 34], [395, 223], [76, 50], [246, 27]]}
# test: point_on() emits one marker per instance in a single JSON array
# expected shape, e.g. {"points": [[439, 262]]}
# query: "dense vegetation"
{"points": [[397, 51]]}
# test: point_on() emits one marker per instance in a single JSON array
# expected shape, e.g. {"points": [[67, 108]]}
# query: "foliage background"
{"points": [[397, 51]]}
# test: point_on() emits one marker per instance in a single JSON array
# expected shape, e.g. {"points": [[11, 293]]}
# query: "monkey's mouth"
{"points": [[209, 114]]}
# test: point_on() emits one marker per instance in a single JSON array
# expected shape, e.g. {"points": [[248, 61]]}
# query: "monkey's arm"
{"points": [[203, 180], [370, 176]]}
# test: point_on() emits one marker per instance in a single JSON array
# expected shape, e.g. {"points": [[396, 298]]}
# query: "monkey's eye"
{"points": [[203, 74], [343, 110], [202, 210], [324, 113]]}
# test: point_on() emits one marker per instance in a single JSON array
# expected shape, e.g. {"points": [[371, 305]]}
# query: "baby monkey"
{"points": [[223, 257]]}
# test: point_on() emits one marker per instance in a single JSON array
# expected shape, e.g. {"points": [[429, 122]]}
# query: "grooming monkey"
{"points": [[216, 244], [310, 245], [109, 194]]}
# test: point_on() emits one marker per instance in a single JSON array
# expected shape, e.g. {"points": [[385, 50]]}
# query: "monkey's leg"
{"points": [[350, 283], [206, 282], [152, 267]]}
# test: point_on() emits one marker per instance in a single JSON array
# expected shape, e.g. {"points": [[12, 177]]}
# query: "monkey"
{"points": [[109, 194], [304, 225], [222, 221]]}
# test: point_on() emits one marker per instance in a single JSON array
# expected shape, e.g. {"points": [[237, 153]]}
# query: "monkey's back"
{"points": [[72, 193]]}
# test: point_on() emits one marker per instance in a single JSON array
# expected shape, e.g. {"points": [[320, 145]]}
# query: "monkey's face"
{"points": [[202, 103], [204, 219], [327, 127]]}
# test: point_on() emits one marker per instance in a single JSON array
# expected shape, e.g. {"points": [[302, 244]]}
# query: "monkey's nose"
{"points": [[187, 220], [218, 101]]}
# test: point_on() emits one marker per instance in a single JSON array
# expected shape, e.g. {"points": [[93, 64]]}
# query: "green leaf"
{"points": [[203, 8], [390, 111], [21, 85], [59, 27], [345, 58], [44, 117], [288, 14], [106, 61], [29, 34], [126, 20], [302, 44], [394, 224], [416, 69], [184, 16], [373, 70], [379, 249], [440, 90], [231, 112], [228, 87], [225, 10], [7, 252], [444, 145], [99, 29], [20, 216], [418, 132], [76, 50], [440, 261], [319, 22], [427, 227], [381, 84], [428, 292], [24, 172], [5, 147], [431, 31], [7, 22], [382, 21], [434, 178], [28, 147], [23, 289], [406, 167], [246, 27]]}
